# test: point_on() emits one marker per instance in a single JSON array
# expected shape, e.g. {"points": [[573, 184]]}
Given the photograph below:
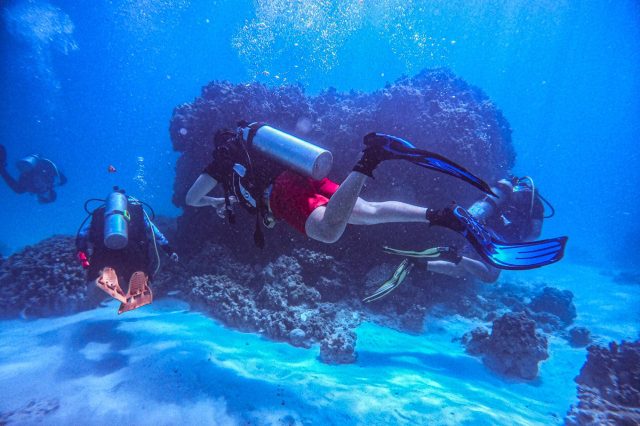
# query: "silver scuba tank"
{"points": [[116, 221], [298, 155], [27, 163], [484, 208]]}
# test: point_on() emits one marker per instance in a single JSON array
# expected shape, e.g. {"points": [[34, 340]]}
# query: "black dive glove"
{"points": [[170, 252], [373, 154], [445, 218]]}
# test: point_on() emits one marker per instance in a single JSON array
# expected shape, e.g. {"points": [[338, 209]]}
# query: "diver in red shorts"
{"points": [[318, 208], [277, 176]]}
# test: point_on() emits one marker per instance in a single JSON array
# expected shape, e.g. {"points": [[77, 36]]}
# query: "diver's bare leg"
{"points": [[372, 213], [466, 268], [327, 223]]}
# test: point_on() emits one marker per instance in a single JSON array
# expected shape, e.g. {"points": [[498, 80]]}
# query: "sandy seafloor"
{"points": [[167, 365]]}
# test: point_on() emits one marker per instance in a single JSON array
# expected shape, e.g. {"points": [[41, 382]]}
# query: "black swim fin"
{"points": [[518, 256], [401, 149]]}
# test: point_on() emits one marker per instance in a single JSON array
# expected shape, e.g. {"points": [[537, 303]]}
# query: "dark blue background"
{"points": [[565, 74]]}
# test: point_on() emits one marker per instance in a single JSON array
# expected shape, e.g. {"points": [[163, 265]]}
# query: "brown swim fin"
{"points": [[139, 293], [108, 282]]}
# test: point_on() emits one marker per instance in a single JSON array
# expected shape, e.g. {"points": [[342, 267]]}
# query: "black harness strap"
{"points": [[253, 129], [258, 235]]}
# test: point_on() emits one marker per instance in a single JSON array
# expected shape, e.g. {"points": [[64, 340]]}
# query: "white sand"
{"points": [[165, 365]]}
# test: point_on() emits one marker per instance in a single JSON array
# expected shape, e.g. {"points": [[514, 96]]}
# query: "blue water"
{"points": [[93, 86]]}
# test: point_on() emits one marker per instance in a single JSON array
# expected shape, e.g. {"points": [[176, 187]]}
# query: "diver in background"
{"points": [[515, 216], [38, 175], [120, 243]]}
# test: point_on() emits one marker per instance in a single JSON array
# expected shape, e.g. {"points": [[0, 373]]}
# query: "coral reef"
{"points": [[513, 348], [459, 119], [553, 308], [339, 347], [298, 290], [43, 280], [579, 337], [608, 387], [278, 303]]}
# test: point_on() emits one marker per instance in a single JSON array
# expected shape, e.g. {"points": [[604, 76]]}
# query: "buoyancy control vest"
{"points": [[247, 175], [134, 256]]}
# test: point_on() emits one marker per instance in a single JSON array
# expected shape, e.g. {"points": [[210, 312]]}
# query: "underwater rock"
{"points": [[226, 300], [413, 319], [627, 277], [44, 280], [277, 303], [476, 340], [284, 285], [579, 337], [297, 337], [216, 259], [552, 309], [434, 109], [339, 347], [34, 412], [608, 387], [513, 348]]}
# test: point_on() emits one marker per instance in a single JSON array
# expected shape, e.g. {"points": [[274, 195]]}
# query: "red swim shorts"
{"points": [[294, 197]]}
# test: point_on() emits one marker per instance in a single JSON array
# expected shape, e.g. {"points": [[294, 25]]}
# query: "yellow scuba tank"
{"points": [[116, 221]]}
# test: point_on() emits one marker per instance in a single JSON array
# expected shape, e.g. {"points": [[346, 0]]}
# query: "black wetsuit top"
{"points": [[136, 256], [514, 221], [230, 158], [40, 180]]}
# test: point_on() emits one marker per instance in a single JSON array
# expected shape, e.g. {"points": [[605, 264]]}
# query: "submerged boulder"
{"points": [[553, 303], [513, 348], [339, 347], [608, 387], [44, 280], [579, 337], [435, 109]]}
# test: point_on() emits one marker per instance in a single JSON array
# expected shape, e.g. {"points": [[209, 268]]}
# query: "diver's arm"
{"points": [[16, 185], [197, 194], [161, 240], [159, 236], [82, 237]]}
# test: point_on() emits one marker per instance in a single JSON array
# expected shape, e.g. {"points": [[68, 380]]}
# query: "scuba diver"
{"points": [[277, 176], [120, 243], [515, 215], [38, 175]]}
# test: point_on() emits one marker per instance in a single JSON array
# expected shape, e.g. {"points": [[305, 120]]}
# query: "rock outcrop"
{"points": [[513, 348], [44, 279], [608, 387]]}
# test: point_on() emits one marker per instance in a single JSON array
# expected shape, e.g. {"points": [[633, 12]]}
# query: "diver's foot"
{"points": [[108, 282], [139, 293], [445, 218], [376, 150], [449, 254]]}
